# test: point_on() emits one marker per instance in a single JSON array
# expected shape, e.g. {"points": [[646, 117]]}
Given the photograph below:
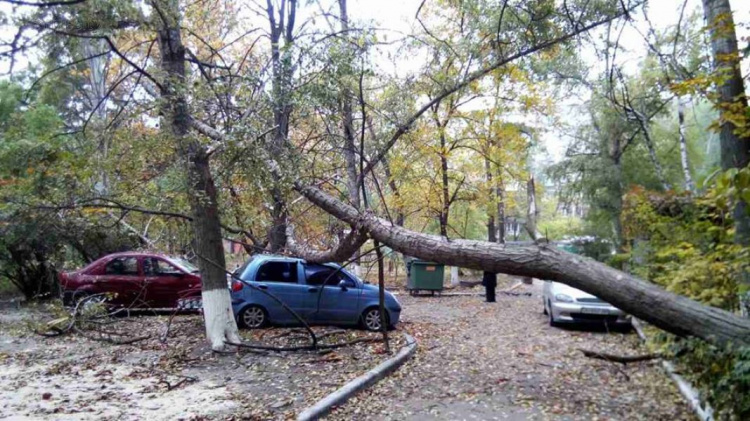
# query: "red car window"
{"points": [[154, 266], [122, 266]]}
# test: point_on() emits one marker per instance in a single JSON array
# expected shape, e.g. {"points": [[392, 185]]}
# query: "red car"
{"points": [[136, 280]]}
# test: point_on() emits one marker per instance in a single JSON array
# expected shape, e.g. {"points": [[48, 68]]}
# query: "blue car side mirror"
{"points": [[343, 285]]}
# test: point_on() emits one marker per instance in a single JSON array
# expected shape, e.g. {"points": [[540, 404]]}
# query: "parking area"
{"points": [[475, 360], [503, 361]]}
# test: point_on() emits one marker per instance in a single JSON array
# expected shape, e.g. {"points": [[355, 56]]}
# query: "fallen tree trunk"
{"points": [[674, 313]]}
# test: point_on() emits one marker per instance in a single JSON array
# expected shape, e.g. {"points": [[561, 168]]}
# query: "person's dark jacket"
{"points": [[489, 279]]}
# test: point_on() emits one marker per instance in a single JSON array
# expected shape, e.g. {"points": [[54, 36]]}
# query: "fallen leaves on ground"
{"points": [[502, 360], [46, 378]]}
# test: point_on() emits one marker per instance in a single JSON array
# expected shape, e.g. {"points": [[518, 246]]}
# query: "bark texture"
{"points": [[220, 323], [532, 211], [282, 71], [671, 312], [684, 158], [735, 150], [348, 246], [347, 117]]}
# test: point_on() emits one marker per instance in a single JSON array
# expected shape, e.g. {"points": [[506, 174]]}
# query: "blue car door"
{"points": [[281, 279], [333, 304]]}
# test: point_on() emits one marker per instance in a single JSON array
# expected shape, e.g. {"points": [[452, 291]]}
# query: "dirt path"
{"points": [[487, 361]]}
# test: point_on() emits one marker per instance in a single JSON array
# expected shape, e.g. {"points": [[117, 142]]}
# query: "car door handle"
{"points": [[262, 286], [312, 290]]}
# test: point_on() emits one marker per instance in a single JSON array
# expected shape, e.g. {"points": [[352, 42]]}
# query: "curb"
{"points": [[704, 412], [324, 406]]}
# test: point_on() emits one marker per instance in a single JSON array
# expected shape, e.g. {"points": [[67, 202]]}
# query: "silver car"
{"points": [[564, 304]]}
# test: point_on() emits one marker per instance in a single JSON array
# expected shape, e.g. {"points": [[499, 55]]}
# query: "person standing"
{"points": [[489, 281]]}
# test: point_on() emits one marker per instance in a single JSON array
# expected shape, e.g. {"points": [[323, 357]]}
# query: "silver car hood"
{"points": [[558, 288]]}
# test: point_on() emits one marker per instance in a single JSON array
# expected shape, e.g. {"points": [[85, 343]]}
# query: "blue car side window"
{"points": [[285, 272], [330, 276]]}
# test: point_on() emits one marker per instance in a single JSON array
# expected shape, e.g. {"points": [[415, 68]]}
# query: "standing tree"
{"points": [[733, 110]]}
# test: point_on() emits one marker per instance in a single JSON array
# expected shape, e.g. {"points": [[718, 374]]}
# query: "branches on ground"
{"points": [[85, 320], [622, 359], [310, 347]]}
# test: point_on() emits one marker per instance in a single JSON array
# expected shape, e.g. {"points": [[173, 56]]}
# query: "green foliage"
{"points": [[686, 245], [723, 373], [38, 167]]}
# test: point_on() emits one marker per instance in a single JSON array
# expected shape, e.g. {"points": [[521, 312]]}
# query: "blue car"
{"points": [[320, 293]]}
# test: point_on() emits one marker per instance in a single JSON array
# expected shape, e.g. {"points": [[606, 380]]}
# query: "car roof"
{"points": [[137, 253], [264, 257]]}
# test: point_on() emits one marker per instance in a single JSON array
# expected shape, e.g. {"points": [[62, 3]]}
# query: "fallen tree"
{"points": [[671, 312]]}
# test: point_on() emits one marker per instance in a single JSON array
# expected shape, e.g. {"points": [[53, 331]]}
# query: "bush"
{"points": [[34, 246], [686, 245]]}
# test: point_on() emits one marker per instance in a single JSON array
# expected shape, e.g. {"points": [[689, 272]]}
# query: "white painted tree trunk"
{"points": [[454, 276], [220, 324], [357, 269]]}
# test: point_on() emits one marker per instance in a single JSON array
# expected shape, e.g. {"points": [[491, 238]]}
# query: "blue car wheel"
{"points": [[371, 319], [253, 317]]}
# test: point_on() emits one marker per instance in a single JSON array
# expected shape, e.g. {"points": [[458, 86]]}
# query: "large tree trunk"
{"points": [[217, 309], [735, 150], [500, 219], [671, 312], [491, 229], [281, 66], [350, 148]]}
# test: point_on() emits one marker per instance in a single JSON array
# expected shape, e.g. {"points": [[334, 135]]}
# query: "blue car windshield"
{"points": [[353, 276]]}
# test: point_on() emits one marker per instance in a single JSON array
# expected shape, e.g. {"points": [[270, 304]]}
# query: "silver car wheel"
{"points": [[372, 320], [253, 317]]}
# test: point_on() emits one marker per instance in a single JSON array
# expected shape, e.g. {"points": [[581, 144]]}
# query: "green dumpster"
{"points": [[425, 276]]}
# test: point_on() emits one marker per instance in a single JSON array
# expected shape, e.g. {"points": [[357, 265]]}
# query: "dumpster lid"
{"points": [[425, 262]]}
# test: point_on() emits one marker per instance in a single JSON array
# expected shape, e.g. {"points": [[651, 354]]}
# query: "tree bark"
{"points": [[674, 313], [684, 159], [532, 213], [500, 219], [282, 109], [491, 230], [350, 149], [643, 122], [735, 150], [217, 309]]}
